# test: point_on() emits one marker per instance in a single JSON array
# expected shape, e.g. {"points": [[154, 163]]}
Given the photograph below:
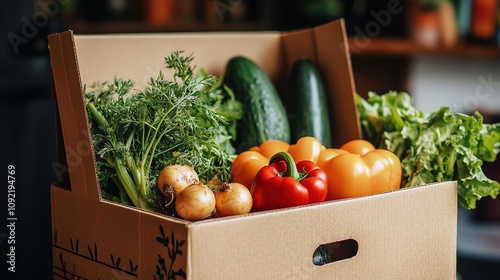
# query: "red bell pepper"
{"points": [[284, 183]]}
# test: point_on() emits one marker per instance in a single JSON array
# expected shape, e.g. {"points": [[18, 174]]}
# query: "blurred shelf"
{"points": [[370, 47], [368, 55], [405, 47], [83, 27]]}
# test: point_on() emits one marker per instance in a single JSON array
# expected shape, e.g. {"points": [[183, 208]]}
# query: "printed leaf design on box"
{"points": [[61, 267], [61, 272], [133, 268], [173, 250], [93, 254], [117, 262], [74, 248]]}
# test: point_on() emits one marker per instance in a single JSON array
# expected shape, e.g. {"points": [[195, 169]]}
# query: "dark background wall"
{"points": [[27, 137]]}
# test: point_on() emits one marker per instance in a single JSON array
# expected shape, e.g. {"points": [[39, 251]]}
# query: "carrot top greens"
{"points": [[189, 119]]}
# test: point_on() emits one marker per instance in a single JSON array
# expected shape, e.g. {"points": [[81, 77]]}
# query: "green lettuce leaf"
{"points": [[436, 147]]}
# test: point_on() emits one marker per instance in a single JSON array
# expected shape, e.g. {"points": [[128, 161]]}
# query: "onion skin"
{"points": [[175, 178], [196, 202], [233, 199]]}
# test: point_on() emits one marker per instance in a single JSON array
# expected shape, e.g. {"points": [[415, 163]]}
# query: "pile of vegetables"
{"points": [[267, 116], [170, 147], [307, 172], [198, 146], [188, 120], [196, 200], [433, 147]]}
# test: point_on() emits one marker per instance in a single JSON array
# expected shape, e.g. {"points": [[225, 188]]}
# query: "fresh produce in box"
{"points": [[308, 106], [265, 117], [270, 147], [175, 178], [246, 164], [188, 198], [195, 202], [233, 199], [284, 183], [189, 120], [306, 148], [358, 169], [433, 147], [355, 169], [198, 147]]}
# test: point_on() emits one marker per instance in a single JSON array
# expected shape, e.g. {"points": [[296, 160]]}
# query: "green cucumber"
{"points": [[308, 109], [264, 116]]}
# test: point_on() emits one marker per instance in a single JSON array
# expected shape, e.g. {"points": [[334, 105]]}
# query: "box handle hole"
{"points": [[335, 251]]}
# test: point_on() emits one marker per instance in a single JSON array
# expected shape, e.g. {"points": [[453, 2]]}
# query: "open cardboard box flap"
{"points": [[84, 59], [406, 234]]}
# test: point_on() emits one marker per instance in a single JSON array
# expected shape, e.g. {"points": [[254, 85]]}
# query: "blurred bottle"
{"points": [[498, 26], [188, 10], [160, 12], [464, 14], [448, 22], [484, 21], [424, 24]]}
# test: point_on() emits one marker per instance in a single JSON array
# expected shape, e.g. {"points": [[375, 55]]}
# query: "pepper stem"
{"points": [[291, 167]]}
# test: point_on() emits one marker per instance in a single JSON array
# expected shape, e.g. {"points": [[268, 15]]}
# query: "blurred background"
{"points": [[444, 53]]}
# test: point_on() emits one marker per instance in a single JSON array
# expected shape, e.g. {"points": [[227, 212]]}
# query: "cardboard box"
{"points": [[406, 234]]}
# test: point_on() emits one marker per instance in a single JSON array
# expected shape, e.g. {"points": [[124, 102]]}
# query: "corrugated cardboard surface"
{"points": [[101, 240], [139, 57], [408, 234]]}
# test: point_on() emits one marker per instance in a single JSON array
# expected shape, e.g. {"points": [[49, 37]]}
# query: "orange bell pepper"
{"points": [[246, 164], [271, 147], [306, 148], [358, 169]]}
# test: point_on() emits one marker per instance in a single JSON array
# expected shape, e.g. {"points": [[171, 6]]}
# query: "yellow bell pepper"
{"points": [[358, 169]]}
